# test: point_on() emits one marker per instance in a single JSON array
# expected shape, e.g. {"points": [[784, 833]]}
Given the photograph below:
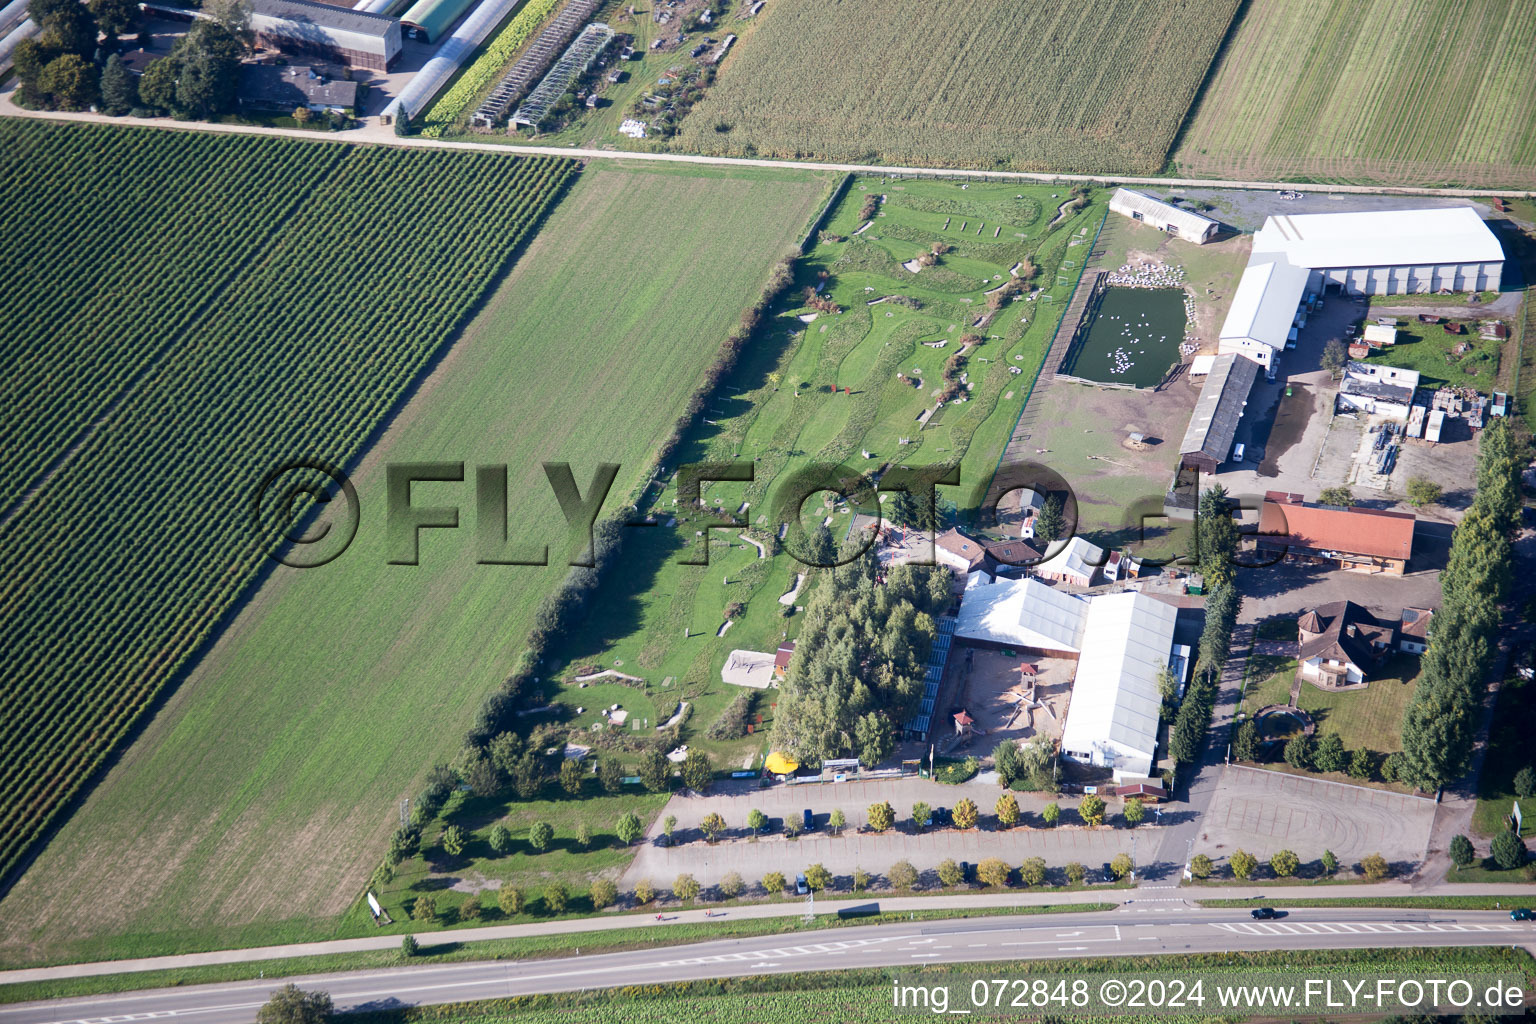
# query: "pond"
{"points": [[1132, 338]]}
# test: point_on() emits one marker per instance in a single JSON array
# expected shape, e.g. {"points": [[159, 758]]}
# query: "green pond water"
{"points": [[1133, 338]]}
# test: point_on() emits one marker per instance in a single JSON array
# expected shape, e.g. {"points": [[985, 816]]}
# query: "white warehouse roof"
{"points": [[1264, 305], [1380, 238], [1025, 613], [1077, 558], [1115, 701]]}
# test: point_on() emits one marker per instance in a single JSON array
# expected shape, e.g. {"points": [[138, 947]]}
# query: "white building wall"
{"points": [[1255, 350]]}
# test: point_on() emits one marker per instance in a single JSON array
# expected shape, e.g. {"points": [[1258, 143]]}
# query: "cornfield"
{"points": [[294, 343], [1418, 92], [993, 84]]}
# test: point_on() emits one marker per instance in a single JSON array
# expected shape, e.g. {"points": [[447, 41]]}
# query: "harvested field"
{"points": [[1096, 87], [1418, 92]]}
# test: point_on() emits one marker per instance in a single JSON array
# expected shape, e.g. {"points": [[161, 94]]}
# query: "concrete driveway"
{"points": [[875, 853], [1263, 812]]}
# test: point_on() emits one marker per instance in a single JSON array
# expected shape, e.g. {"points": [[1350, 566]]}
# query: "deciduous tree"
{"points": [[818, 877], [1091, 810], [697, 771], [540, 835], [1375, 866], [292, 1005], [902, 875], [1242, 863], [880, 816], [1121, 865], [628, 828], [1284, 863], [511, 900], [1032, 871], [993, 872], [1050, 813], [949, 873], [712, 824], [603, 894], [1007, 811], [1462, 853], [966, 814]]}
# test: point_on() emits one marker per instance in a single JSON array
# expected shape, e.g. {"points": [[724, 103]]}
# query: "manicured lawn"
{"points": [[1371, 718], [256, 804], [1431, 351]]}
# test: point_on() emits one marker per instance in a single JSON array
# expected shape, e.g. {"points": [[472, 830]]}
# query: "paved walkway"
{"points": [[378, 134]]}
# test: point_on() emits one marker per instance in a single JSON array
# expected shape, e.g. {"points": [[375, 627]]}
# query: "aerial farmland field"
{"points": [[258, 799], [1414, 93], [295, 343], [1097, 87]]}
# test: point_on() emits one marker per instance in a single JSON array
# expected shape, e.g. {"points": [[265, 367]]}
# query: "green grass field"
{"points": [[1431, 351], [256, 803], [948, 83], [1419, 92], [1509, 750], [660, 620]]}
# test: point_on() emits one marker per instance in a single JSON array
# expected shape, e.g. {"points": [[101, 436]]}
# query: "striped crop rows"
{"points": [[131, 555], [1021, 86], [102, 270]]}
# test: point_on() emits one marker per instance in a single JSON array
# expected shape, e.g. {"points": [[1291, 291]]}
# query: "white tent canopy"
{"points": [[1023, 613], [1113, 717]]}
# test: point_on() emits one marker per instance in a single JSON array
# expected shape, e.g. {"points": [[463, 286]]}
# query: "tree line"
{"points": [[1441, 721], [1216, 548], [74, 62]]}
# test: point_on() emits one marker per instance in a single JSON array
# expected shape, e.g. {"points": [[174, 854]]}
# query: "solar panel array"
{"points": [[534, 62], [938, 656]]}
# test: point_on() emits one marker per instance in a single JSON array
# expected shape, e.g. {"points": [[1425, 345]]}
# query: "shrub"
{"points": [[712, 825], [756, 820], [966, 814], [697, 771], [837, 820], [818, 877], [732, 723], [955, 772], [861, 879], [1375, 866], [1284, 864], [644, 891], [1508, 850], [1525, 782], [902, 875], [1329, 755], [1007, 811], [993, 872], [1330, 862], [541, 835], [774, 882], [292, 1005], [425, 909], [501, 840], [1362, 764], [604, 894], [408, 946], [1135, 812], [880, 816], [1032, 871], [1298, 752], [628, 828], [1242, 863], [1462, 853], [453, 840], [1050, 813], [510, 899], [1200, 866], [732, 886], [949, 873], [922, 814], [1091, 810], [1076, 873], [1121, 865], [556, 899]]}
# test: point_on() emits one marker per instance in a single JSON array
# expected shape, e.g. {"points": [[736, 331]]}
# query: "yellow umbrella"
{"points": [[779, 764]]}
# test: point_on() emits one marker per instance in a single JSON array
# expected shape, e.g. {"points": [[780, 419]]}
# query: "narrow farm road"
{"points": [[376, 134]]}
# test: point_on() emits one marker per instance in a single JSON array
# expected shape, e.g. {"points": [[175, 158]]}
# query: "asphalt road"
{"points": [[1139, 929]]}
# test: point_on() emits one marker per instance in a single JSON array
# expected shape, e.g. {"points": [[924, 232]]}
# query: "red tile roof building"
{"points": [[1356, 538]]}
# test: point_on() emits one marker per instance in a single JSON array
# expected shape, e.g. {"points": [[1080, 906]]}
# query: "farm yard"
{"points": [[98, 620], [1368, 91], [947, 83], [850, 375], [255, 803]]}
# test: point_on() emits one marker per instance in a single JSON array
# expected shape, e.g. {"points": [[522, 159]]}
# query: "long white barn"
{"points": [[1377, 252]]}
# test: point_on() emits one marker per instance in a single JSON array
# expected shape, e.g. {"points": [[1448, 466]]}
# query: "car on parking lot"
{"points": [[1265, 913], [1522, 914], [966, 870], [801, 886], [1109, 872], [810, 820], [939, 816]]}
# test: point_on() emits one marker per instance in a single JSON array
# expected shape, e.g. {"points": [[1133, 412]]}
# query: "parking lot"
{"points": [[1264, 812], [874, 853]]}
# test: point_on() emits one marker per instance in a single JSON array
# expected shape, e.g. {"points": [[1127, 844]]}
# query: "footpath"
{"points": [[957, 902]]}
